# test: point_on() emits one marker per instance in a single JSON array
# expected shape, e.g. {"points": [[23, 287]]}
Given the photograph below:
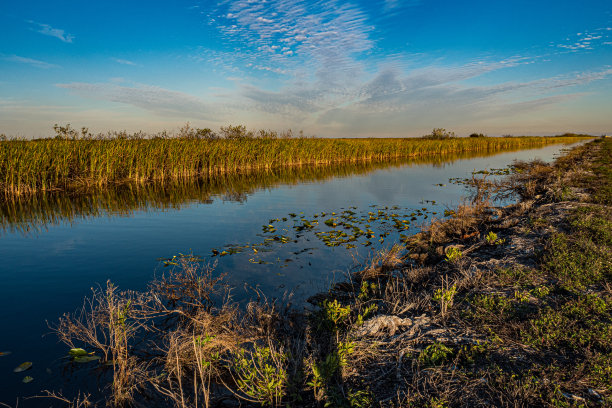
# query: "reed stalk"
{"points": [[28, 166]]}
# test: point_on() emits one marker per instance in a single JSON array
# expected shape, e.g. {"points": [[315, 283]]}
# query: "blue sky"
{"points": [[331, 68]]}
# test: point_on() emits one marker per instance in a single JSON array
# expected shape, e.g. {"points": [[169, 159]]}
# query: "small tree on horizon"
{"points": [[440, 133]]}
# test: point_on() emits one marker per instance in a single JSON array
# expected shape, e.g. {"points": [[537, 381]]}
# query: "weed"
{"points": [[540, 292], [577, 261], [324, 371], [366, 290], [469, 354], [367, 312], [261, 374], [494, 304], [334, 315], [445, 296], [359, 398], [578, 324], [600, 370], [492, 239], [440, 402], [517, 276], [453, 254], [435, 354]]}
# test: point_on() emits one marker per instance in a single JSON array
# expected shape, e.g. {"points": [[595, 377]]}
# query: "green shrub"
{"points": [[435, 354], [261, 374]]}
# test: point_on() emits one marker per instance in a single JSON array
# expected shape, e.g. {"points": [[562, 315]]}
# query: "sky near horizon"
{"points": [[332, 68]]}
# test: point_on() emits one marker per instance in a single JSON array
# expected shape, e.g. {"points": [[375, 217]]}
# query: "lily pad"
{"points": [[77, 352], [27, 379], [86, 359], [23, 367], [5, 353]]}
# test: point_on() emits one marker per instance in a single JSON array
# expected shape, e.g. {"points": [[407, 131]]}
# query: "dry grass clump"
{"points": [[186, 343], [528, 177], [464, 226], [111, 322]]}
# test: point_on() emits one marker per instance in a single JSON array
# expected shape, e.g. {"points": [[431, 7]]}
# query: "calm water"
{"points": [[54, 249]]}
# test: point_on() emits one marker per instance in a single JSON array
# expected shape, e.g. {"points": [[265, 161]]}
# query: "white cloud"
{"points": [[586, 41], [393, 99], [124, 61], [46, 29], [30, 61], [390, 5], [320, 37], [152, 98]]}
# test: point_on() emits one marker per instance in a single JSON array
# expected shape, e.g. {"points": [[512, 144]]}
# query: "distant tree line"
{"points": [[67, 132]]}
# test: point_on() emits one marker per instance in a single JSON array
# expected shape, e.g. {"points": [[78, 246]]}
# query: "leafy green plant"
{"points": [[453, 254], [261, 374], [493, 239], [366, 290], [540, 291], [445, 296], [435, 354], [601, 370], [577, 324], [359, 398], [323, 372], [438, 402], [367, 312], [334, 315], [495, 307]]}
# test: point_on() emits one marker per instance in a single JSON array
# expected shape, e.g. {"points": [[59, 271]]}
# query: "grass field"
{"points": [[58, 164]]}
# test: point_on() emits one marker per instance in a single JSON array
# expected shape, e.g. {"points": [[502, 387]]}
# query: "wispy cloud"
{"points": [[586, 40], [330, 75], [152, 98], [395, 5], [295, 36], [30, 61], [390, 89], [445, 99], [318, 64], [46, 29], [124, 61]]}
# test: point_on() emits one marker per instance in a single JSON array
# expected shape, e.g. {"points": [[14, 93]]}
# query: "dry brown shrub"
{"points": [[464, 224], [193, 356], [110, 322], [382, 263], [82, 400], [189, 286], [529, 178]]}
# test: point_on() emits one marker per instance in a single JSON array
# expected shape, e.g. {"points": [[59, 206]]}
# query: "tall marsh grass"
{"points": [[58, 164], [34, 212]]}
